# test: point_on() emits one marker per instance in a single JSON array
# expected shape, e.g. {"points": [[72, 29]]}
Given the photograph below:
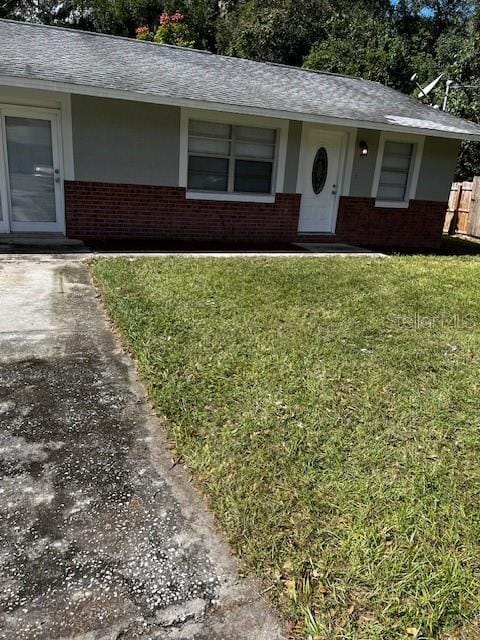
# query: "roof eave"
{"points": [[106, 92]]}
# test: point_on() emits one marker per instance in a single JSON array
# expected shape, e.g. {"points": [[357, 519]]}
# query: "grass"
{"points": [[329, 408]]}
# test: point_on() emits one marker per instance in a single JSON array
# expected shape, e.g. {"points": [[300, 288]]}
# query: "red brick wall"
{"points": [[97, 210], [419, 226], [119, 211]]}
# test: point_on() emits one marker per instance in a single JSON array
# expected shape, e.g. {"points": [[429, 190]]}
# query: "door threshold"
{"points": [[49, 239]]}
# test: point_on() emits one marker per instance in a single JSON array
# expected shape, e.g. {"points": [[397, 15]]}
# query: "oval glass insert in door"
{"points": [[319, 170], [30, 169]]}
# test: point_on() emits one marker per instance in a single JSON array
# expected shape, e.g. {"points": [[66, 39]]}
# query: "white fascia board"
{"points": [[105, 92]]}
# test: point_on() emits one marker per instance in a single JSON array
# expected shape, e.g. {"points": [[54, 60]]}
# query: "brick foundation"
{"points": [[106, 211], [419, 226], [97, 210]]}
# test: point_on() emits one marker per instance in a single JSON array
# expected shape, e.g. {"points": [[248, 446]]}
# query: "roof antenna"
{"points": [[448, 85], [424, 91]]}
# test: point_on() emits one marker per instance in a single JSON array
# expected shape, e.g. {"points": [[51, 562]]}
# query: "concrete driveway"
{"points": [[100, 538]]}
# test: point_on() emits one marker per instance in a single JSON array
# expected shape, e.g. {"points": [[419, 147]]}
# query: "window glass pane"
{"points": [[209, 145], [391, 193], [254, 150], [395, 184], [399, 148], [255, 134], [253, 177], [210, 149], [209, 129], [319, 170], [391, 161], [394, 178], [396, 162], [30, 167], [207, 174]]}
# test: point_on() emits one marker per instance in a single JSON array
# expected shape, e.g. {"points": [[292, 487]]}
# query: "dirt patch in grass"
{"points": [[330, 410]]}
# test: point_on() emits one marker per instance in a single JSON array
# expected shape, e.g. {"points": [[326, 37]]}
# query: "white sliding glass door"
{"points": [[30, 171]]}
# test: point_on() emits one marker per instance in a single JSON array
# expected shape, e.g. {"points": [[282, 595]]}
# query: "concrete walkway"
{"points": [[71, 249], [100, 537]]}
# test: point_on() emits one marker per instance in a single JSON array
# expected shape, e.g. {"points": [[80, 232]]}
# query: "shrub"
{"points": [[171, 30]]}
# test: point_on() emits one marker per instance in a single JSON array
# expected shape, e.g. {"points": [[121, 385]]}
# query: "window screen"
{"points": [[230, 158], [396, 164]]}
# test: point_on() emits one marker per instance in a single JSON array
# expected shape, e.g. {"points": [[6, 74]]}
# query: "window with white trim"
{"points": [[230, 158], [395, 172]]}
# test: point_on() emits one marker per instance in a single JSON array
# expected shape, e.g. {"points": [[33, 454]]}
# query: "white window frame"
{"points": [[278, 174], [55, 116], [11, 96], [413, 174]]}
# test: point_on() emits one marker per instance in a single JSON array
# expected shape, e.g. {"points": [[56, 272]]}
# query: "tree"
{"points": [[16, 9], [202, 17], [279, 31], [364, 45], [117, 17], [170, 30], [458, 56], [122, 17]]}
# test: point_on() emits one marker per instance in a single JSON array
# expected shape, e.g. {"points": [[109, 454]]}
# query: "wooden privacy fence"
{"points": [[463, 213]]}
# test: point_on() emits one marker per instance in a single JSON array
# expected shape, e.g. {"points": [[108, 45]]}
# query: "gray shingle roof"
{"points": [[82, 62]]}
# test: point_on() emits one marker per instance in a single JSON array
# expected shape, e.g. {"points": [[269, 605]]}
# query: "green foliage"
{"points": [[17, 9], [171, 30], [443, 12], [364, 46], [458, 51], [174, 33], [8, 8], [202, 16], [117, 17], [280, 31]]}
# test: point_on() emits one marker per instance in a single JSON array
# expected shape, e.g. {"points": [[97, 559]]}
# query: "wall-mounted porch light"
{"points": [[363, 148]]}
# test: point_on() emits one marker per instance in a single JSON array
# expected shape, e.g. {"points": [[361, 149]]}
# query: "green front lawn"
{"points": [[330, 410]]}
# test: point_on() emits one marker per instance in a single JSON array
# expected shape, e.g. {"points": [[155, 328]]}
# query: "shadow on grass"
{"points": [[147, 246], [451, 246]]}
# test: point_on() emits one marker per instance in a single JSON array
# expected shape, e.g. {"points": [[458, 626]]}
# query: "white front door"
{"points": [[320, 170], [31, 190]]}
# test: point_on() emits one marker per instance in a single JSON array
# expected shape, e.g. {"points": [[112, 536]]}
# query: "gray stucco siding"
{"points": [[123, 141], [363, 169], [437, 169], [293, 156]]}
